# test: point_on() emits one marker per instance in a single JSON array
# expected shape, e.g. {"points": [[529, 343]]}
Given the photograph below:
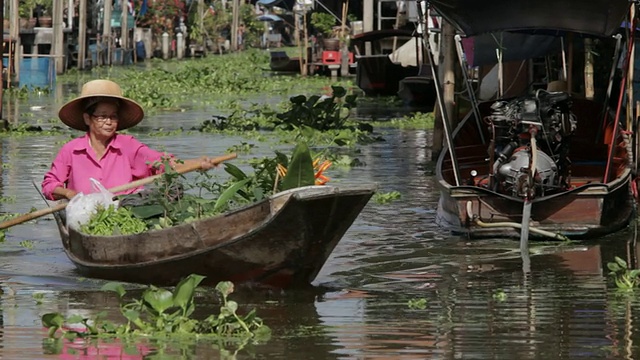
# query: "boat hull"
{"points": [[281, 242], [585, 213]]}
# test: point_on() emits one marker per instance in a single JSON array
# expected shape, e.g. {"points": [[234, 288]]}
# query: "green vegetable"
{"points": [[111, 221]]}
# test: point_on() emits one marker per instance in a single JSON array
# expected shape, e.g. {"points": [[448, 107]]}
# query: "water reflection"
{"points": [[478, 302]]}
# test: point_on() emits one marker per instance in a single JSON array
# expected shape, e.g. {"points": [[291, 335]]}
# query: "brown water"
{"points": [[479, 305]]}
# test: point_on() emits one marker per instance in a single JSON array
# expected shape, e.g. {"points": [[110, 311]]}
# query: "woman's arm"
{"points": [[53, 185], [62, 193]]}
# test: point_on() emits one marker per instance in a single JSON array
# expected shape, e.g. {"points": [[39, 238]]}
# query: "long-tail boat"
{"points": [[555, 157]]}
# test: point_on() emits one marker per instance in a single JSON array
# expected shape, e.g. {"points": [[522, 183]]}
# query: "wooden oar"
{"points": [[134, 184]]}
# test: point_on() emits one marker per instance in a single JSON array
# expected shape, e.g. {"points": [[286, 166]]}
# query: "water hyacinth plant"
{"points": [[624, 278], [161, 313]]}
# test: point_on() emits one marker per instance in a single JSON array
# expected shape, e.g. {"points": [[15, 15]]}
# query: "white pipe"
{"points": [[514, 225]]}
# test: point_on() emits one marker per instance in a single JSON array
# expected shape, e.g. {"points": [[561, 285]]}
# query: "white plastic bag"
{"points": [[82, 206]]}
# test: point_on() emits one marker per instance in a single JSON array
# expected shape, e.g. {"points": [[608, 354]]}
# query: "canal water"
{"points": [[396, 286]]}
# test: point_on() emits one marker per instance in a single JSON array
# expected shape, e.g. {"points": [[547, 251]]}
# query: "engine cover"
{"points": [[515, 174]]}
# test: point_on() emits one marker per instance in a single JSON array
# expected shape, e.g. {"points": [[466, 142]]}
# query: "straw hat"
{"points": [[130, 112]]}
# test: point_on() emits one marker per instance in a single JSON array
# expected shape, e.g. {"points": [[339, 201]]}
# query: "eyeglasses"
{"points": [[103, 118]]}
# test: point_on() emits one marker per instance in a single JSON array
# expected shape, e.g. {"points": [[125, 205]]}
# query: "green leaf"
{"points": [[75, 319], [225, 288], [338, 91], [52, 320], [232, 306], [613, 267], [131, 315], [147, 211], [229, 193], [300, 170], [297, 100], [622, 263], [234, 171], [183, 293], [115, 287], [159, 299]]}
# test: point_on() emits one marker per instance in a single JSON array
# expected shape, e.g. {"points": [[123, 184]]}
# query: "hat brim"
{"points": [[130, 112]]}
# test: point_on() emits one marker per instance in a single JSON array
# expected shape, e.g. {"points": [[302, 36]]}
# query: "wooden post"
{"points": [[344, 53], [630, 75], [448, 84], [235, 15], [106, 30], [570, 63], [296, 37], [124, 29], [2, 72], [14, 34], [449, 65], [367, 22], [70, 14], [201, 13], [58, 37], [589, 90], [82, 33], [305, 58]]}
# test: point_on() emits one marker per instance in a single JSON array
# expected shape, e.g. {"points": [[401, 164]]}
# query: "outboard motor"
{"points": [[510, 122]]}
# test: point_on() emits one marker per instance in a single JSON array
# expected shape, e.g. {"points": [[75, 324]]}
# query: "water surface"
{"points": [[478, 303]]}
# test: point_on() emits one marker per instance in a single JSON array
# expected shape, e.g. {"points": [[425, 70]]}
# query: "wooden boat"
{"points": [[376, 74], [418, 90], [282, 242], [281, 62], [578, 146]]}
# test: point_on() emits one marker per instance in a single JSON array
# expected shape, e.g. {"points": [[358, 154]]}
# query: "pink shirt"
{"points": [[126, 159]]}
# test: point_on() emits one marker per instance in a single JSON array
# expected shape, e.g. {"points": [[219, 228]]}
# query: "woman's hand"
{"points": [[63, 193], [206, 163], [69, 194]]}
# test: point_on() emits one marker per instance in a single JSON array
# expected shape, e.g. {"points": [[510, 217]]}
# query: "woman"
{"points": [[103, 154]]}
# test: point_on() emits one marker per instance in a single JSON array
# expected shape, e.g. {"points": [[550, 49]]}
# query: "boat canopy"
{"points": [[481, 49], [593, 17]]}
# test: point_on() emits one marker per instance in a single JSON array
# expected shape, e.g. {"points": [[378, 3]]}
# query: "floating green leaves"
{"points": [[417, 304], [385, 198], [624, 278], [162, 313]]}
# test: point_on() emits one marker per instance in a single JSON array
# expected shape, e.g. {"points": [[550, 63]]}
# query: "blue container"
{"points": [[37, 72], [119, 54], [141, 53]]}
